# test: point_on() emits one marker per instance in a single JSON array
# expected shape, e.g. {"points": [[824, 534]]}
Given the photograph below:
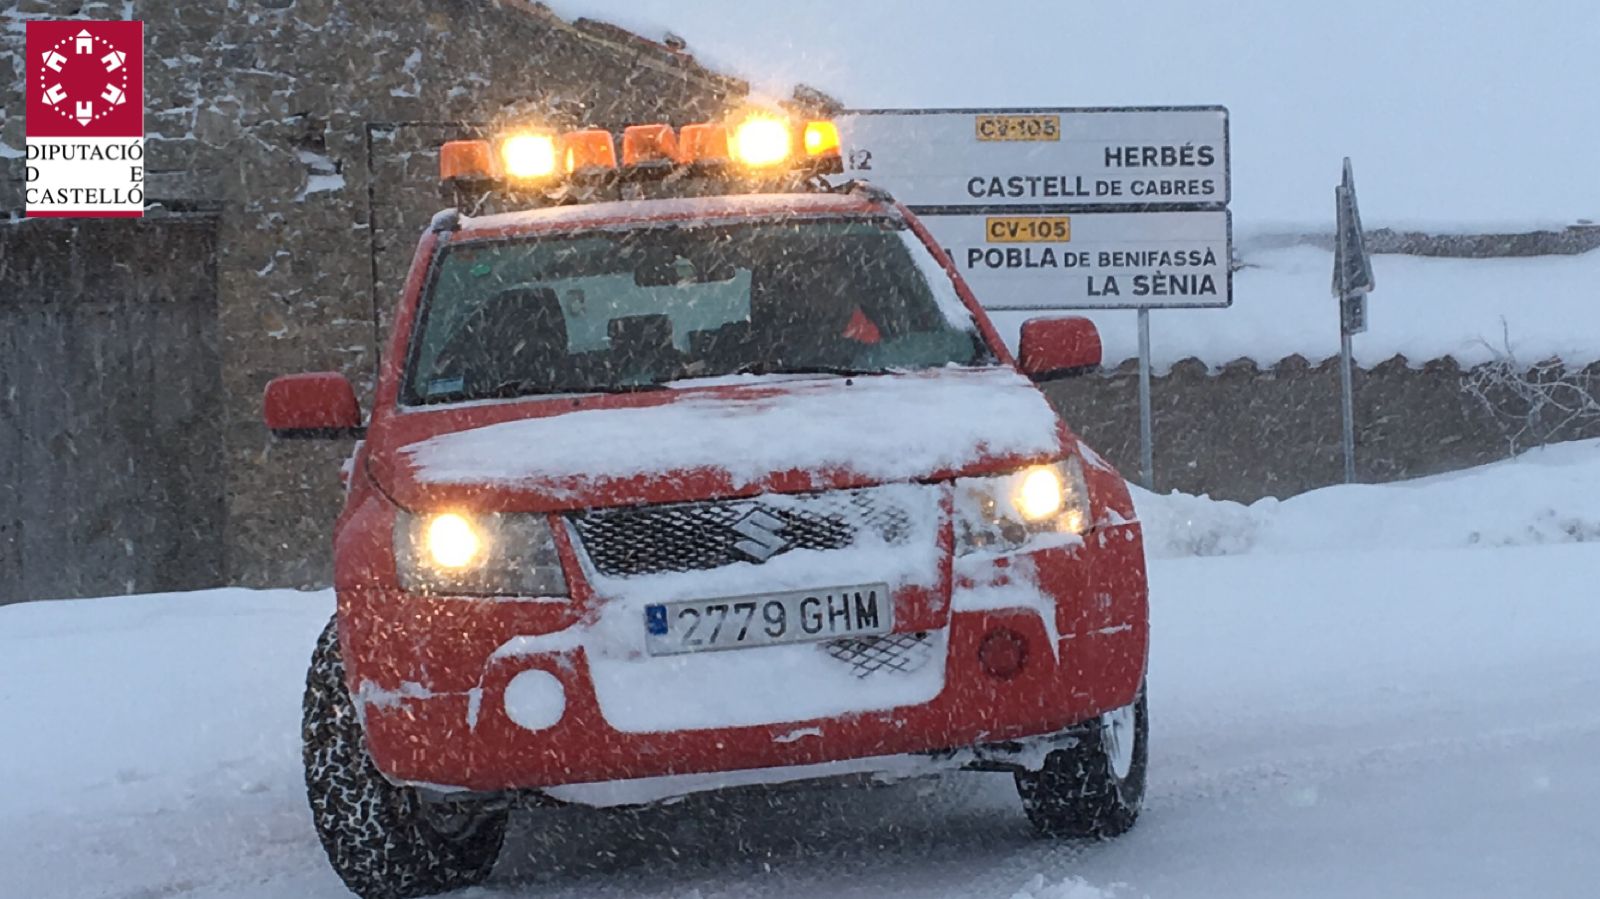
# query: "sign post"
{"points": [[1147, 464], [1352, 281], [1063, 209]]}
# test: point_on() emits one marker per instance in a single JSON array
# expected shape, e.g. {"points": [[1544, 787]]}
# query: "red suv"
{"points": [[670, 493]]}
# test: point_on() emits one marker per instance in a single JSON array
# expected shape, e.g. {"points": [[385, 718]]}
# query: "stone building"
{"points": [[290, 168]]}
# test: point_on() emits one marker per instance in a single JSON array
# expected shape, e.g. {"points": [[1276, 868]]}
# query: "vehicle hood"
{"points": [[727, 440]]}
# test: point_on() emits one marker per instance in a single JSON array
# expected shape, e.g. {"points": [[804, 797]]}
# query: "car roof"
{"points": [[629, 213]]}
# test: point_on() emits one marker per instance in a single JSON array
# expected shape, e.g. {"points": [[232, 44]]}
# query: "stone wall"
{"points": [[1244, 432], [260, 110]]}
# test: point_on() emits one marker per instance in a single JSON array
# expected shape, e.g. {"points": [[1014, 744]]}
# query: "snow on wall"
{"points": [[1423, 308]]}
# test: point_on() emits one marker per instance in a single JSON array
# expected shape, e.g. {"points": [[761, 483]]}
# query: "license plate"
{"points": [[735, 622]]}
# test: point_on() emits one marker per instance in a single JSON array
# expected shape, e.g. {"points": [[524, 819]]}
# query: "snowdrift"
{"points": [[1547, 495]]}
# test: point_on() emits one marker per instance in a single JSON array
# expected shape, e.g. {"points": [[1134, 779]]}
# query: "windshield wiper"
{"points": [[763, 368], [525, 387]]}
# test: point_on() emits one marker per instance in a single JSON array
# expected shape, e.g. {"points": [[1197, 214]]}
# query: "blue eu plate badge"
{"points": [[655, 619]]}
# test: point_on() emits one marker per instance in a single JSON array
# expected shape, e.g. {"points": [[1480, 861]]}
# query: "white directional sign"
{"points": [[1155, 156], [1088, 260], [1065, 208]]}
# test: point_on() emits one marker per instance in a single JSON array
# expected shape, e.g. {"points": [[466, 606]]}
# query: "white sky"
{"points": [[1456, 114]]}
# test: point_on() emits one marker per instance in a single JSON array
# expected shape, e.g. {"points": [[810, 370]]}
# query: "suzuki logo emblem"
{"points": [[760, 530]]}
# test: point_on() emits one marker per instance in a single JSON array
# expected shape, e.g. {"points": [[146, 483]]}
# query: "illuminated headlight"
{"points": [[483, 555], [1004, 513]]}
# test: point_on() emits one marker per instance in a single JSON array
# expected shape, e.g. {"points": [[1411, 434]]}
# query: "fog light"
{"points": [[535, 700], [1002, 653]]}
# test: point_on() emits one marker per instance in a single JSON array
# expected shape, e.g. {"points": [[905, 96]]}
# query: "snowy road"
{"points": [[1413, 723]]}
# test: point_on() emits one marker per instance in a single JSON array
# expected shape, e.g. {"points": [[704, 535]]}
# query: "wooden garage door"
{"points": [[110, 407]]}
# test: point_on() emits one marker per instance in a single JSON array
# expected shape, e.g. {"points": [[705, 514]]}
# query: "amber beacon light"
{"points": [[766, 147], [528, 156]]}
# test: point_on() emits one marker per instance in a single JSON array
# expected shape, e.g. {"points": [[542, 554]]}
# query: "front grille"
{"points": [[700, 536], [890, 654]]}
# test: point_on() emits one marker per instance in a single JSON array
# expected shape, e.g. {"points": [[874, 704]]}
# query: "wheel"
{"points": [[383, 840], [1095, 788]]}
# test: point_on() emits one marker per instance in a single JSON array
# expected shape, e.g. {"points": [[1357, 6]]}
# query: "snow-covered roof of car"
{"points": [[712, 208]]}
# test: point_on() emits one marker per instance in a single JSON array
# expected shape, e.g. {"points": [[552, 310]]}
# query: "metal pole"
{"points": [[1147, 476], [1347, 401]]}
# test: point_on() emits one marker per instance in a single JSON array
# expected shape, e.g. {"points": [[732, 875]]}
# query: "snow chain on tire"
{"points": [[375, 833], [1078, 794]]}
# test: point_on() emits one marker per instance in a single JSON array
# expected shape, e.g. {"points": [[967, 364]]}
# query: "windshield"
{"points": [[635, 309]]}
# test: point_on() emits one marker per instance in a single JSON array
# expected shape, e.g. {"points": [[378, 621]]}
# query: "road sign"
{"points": [[1097, 208], [1164, 157], [1352, 281], [1352, 266], [1091, 260]]}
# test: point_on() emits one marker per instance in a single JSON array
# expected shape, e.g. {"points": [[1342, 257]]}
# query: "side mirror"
{"points": [[1053, 348], [315, 405]]}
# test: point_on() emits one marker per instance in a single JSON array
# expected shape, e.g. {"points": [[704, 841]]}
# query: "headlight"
{"points": [[451, 542], [482, 555], [1002, 514]]}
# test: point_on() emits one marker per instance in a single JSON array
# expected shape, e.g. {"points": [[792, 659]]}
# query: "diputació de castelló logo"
{"points": [[85, 119]]}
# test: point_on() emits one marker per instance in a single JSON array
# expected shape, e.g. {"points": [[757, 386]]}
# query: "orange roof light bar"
{"points": [[821, 139], [466, 160], [764, 144], [706, 142], [649, 145], [588, 152]]}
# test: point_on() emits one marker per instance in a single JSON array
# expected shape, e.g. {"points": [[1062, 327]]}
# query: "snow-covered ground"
{"points": [[1382, 691]]}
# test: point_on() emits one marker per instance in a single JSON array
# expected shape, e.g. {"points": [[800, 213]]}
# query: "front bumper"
{"points": [[430, 677]]}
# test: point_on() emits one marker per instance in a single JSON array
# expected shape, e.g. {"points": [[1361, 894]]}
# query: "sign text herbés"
{"points": [[1172, 157], [1091, 259]]}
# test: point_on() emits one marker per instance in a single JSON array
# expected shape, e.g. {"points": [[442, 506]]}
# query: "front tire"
{"points": [[383, 842], [1095, 788]]}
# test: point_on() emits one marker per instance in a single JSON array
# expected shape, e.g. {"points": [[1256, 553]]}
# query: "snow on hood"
{"points": [[883, 428]]}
